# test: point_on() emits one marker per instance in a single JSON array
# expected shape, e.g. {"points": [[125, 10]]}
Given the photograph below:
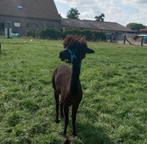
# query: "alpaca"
{"points": [[66, 82]]}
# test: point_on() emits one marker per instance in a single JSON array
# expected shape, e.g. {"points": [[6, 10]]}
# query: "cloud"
{"points": [[123, 12], [136, 1]]}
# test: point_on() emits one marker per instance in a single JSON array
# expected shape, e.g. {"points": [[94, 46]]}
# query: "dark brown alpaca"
{"points": [[66, 80]]}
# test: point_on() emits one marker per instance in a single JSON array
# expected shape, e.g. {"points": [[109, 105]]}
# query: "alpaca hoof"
{"points": [[57, 121], [74, 134], [62, 116], [64, 134]]}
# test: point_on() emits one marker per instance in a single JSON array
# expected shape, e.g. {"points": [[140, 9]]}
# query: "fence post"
{"points": [[125, 39], [142, 41]]}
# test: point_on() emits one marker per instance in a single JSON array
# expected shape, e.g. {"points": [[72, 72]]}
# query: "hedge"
{"points": [[52, 33]]}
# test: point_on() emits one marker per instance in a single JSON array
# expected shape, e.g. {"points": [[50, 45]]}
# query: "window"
{"points": [[28, 25], [2, 27], [32, 25], [19, 7], [17, 24]]}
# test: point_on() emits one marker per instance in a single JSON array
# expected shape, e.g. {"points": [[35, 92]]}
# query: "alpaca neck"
{"points": [[76, 66]]}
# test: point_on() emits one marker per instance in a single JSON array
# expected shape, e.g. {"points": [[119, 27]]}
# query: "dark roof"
{"points": [[44, 9], [94, 25]]}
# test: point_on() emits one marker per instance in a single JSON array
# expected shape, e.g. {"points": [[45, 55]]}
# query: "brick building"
{"points": [[22, 16]]}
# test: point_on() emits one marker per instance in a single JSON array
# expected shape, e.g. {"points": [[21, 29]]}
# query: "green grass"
{"points": [[113, 109]]}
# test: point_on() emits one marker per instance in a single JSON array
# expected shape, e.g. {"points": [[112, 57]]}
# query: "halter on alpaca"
{"points": [[72, 55]]}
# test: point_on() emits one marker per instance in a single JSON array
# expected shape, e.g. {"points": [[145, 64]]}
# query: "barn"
{"points": [[94, 25], [114, 31], [22, 16]]}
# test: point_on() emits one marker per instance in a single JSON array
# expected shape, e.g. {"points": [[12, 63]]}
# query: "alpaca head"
{"points": [[75, 49]]}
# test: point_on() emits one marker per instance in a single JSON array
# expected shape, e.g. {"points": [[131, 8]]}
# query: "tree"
{"points": [[73, 13], [100, 17], [135, 26]]}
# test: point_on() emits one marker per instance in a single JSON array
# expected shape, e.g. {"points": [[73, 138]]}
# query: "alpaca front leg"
{"points": [[74, 112], [61, 110], [66, 119]]}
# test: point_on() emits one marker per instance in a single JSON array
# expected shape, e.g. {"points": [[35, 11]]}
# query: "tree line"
{"points": [[73, 13]]}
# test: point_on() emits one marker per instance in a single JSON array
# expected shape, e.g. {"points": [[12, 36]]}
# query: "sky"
{"points": [[121, 11]]}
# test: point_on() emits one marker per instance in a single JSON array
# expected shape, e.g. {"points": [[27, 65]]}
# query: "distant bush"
{"points": [[90, 35], [50, 33], [32, 33]]}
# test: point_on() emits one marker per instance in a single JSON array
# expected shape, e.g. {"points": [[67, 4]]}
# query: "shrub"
{"points": [[90, 35], [32, 34], [50, 33]]}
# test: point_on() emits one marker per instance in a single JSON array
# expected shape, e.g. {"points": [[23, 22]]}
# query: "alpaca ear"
{"points": [[68, 40], [83, 40], [88, 50]]}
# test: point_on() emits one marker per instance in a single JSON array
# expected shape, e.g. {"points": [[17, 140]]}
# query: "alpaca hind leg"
{"points": [[74, 112], [57, 106], [66, 119], [61, 110]]}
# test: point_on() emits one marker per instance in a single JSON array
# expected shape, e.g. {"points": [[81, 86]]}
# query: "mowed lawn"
{"points": [[113, 109]]}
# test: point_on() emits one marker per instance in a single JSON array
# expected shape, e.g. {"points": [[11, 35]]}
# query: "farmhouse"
{"points": [[22, 16], [94, 25], [113, 30]]}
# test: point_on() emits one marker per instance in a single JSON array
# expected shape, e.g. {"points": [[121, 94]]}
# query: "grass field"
{"points": [[113, 109]]}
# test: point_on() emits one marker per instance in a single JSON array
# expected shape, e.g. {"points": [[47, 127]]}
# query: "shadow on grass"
{"points": [[90, 134]]}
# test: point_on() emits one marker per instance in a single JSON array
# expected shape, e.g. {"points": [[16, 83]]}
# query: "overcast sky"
{"points": [[121, 11]]}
